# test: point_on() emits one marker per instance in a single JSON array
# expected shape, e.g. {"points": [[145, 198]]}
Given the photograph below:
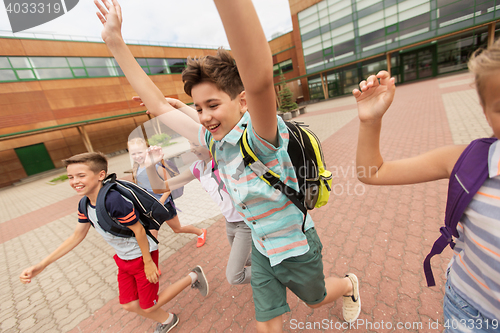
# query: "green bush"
{"points": [[161, 139]]}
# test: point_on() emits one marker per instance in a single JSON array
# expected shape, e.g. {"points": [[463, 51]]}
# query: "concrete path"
{"points": [[380, 233]]}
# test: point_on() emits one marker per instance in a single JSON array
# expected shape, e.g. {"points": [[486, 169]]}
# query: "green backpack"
{"points": [[304, 149]]}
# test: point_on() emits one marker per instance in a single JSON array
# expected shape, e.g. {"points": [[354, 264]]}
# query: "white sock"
{"points": [[193, 277], [169, 319], [202, 233]]}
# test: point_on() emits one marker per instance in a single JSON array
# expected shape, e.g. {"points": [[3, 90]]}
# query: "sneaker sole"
{"points": [[175, 324], [205, 278]]}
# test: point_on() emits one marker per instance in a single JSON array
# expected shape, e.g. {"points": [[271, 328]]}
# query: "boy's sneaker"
{"points": [[201, 283], [164, 328], [202, 238], [352, 304]]}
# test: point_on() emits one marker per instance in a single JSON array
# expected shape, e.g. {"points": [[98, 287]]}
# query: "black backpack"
{"points": [[306, 155], [151, 211]]}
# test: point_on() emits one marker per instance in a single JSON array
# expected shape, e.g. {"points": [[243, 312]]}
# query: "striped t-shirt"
{"points": [[276, 223], [475, 266]]}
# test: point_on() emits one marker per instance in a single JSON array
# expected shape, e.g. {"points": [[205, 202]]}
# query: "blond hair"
{"points": [[482, 63], [137, 141]]}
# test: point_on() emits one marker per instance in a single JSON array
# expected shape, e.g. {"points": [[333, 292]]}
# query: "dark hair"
{"points": [[95, 161], [484, 62], [219, 69]]}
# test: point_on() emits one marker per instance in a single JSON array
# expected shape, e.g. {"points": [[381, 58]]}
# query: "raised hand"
{"points": [[154, 156], [374, 97], [110, 15]]}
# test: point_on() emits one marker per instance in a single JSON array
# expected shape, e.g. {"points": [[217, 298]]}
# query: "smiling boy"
{"points": [[136, 257], [282, 255]]}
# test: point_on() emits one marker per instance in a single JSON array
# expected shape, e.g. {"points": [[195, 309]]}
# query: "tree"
{"points": [[285, 96]]}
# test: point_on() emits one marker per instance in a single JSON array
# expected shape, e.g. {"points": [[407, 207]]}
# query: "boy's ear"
{"points": [[243, 102], [102, 175]]}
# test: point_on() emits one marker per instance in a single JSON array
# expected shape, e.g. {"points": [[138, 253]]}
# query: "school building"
{"points": [[60, 97]]}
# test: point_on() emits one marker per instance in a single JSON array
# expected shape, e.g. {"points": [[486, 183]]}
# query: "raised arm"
{"points": [[176, 104], [111, 17], [255, 64], [374, 98], [69, 244]]}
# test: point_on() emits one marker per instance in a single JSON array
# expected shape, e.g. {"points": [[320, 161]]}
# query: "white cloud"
{"points": [[182, 22]]}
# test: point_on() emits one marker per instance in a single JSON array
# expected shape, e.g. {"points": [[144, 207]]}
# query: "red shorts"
{"points": [[133, 284]]}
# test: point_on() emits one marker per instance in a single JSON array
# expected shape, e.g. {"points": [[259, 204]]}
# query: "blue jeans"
{"points": [[462, 317]]}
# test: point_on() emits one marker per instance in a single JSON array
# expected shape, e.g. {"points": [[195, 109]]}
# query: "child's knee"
{"points": [[235, 278], [131, 307], [313, 306]]}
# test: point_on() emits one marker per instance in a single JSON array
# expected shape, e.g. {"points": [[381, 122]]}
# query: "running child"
{"points": [[136, 257], [238, 270], [283, 256], [472, 292], [138, 150]]}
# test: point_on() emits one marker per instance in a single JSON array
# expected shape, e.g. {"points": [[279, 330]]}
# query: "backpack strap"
{"points": [[270, 177], [468, 175], [107, 222], [83, 207]]}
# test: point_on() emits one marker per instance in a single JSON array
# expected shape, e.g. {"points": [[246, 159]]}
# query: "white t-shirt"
{"points": [[215, 187]]}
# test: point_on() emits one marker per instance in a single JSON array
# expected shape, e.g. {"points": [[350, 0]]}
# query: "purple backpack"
{"points": [[468, 175]]}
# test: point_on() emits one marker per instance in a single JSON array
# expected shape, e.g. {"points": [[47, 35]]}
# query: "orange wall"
{"points": [[36, 104]]}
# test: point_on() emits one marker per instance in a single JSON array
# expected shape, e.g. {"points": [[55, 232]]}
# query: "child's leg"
{"points": [[269, 294], [174, 221], [240, 238], [335, 288], [175, 224], [274, 325]]}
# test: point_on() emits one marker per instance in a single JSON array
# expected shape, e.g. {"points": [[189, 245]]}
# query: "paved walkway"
{"points": [[380, 233]]}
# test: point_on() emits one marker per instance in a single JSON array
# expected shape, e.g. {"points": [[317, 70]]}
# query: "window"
{"points": [[283, 67], [48, 68]]}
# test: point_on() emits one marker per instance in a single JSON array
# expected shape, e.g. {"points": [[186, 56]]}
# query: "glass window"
{"points": [[25, 74], [4, 62], [19, 62], [158, 70], [44, 62], [96, 62], [156, 62], [98, 71], [286, 66], [75, 62], [7, 75], [142, 61], [176, 62], [79, 72], [53, 73], [276, 69], [146, 69], [176, 70]]}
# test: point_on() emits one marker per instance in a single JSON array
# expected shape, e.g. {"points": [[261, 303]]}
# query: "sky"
{"points": [[191, 22]]}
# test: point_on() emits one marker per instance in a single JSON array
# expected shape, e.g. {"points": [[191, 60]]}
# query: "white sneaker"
{"points": [[352, 304]]}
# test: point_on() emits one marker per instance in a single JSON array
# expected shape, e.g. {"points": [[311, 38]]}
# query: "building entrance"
{"points": [[418, 64]]}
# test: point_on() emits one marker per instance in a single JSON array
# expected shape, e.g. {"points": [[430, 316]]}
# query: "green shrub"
{"points": [[161, 139]]}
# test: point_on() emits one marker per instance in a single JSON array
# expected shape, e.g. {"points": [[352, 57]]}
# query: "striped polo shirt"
{"points": [[475, 266], [276, 223]]}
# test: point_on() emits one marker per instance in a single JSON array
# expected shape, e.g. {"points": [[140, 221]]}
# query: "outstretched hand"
{"points": [[110, 16], [29, 273], [374, 97]]}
